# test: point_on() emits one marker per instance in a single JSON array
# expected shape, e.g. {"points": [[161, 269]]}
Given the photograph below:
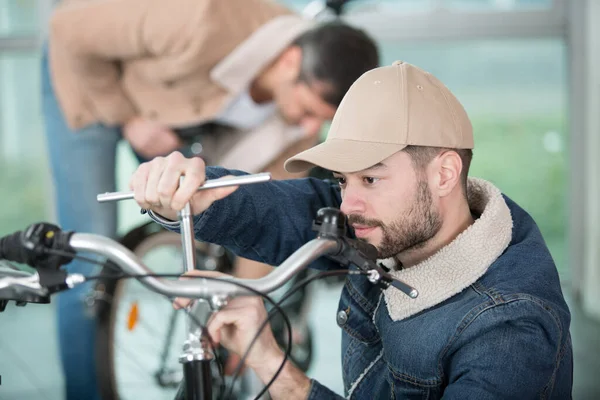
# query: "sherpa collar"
{"points": [[461, 262]]}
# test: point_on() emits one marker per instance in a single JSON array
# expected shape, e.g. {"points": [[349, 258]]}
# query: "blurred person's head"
{"points": [[400, 147], [309, 78]]}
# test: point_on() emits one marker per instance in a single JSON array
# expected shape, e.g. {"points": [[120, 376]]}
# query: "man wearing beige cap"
{"points": [[490, 321]]}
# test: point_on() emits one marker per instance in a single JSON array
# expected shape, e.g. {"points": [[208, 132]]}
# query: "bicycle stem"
{"points": [[194, 348], [186, 219]]}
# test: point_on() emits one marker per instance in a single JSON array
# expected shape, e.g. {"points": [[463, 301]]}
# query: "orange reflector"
{"points": [[133, 317]]}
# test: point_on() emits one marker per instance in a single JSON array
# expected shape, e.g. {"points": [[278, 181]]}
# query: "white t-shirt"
{"points": [[243, 113]]}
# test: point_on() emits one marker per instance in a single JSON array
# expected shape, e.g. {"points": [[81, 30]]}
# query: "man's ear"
{"points": [[449, 167]]}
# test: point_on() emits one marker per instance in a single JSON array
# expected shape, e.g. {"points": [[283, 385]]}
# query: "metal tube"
{"points": [[198, 380], [200, 287], [209, 184], [188, 248], [186, 219], [187, 238]]}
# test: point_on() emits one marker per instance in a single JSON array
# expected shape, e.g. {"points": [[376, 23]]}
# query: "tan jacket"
{"points": [[177, 61]]}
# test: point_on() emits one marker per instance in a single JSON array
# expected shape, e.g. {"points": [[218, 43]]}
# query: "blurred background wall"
{"points": [[526, 71]]}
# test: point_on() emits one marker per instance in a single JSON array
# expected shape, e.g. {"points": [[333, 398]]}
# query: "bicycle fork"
{"points": [[197, 352]]}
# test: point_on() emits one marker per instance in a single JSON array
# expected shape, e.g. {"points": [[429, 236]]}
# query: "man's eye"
{"points": [[341, 181], [370, 180]]}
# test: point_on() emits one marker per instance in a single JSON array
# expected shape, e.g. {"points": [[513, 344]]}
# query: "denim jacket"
{"points": [[490, 321]]}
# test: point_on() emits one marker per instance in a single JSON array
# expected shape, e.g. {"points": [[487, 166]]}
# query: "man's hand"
{"points": [[150, 138], [156, 185], [235, 326]]}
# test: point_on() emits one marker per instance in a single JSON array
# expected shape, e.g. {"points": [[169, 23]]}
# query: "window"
{"points": [[369, 5], [507, 64], [19, 17], [497, 5], [404, 6], [515, 92]]}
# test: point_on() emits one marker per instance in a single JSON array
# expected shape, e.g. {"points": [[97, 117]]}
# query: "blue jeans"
{"points": [[83, 165]]}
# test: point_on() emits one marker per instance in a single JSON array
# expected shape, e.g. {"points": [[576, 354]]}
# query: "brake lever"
{"points": [[361, 255], [386, 280], [331, 223], [23, 290]]}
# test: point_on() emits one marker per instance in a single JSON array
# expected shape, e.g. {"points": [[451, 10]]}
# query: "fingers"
{"points": [[168, 184], [241, 313], [138, 185], [194, 172], [157, 167], [181, 302], [219, 320], [157, 183], [203, 200]]}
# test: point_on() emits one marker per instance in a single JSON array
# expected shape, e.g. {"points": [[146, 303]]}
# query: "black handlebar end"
{"points": [[34, 246], [330, 222]]}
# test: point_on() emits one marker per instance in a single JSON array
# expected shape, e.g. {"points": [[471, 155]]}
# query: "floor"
{"points": [[29, 368]]}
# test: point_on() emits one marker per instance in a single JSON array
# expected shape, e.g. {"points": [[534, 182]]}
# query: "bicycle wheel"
{"points": [[139, 335]]}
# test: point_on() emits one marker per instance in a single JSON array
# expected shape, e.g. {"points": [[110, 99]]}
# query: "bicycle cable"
{"points": [[277, 308], [287, 295]]}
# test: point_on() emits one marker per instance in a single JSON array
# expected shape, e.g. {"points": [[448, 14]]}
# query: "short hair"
{"points": [[421, 156], [336, 54]]}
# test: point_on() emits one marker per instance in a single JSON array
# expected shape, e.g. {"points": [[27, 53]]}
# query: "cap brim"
{"points": [[342, 155]]}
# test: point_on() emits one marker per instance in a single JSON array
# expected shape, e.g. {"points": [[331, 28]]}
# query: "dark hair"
{"points": [[421, 156], [336, 54]]}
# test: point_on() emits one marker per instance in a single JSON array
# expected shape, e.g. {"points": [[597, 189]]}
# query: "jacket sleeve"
{"points": [[510, 350], [265, 222], [94, 37]]}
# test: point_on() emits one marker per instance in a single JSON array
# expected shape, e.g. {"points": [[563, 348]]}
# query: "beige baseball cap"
{"points": [[385, 110]]}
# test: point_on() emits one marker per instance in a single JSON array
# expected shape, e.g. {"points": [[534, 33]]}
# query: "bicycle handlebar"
{"points": [[43, 246], [21, 286], [46, 248], [128, 262]]}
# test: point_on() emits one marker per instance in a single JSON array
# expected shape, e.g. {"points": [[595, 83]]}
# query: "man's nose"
{"points": [[352, 202]]}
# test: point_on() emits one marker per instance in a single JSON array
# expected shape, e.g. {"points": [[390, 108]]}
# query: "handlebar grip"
{"points": [[12, 249], [33, 246]]}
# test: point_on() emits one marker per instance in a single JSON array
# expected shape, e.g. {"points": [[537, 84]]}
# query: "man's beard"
{"points": [[411, 230]]}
